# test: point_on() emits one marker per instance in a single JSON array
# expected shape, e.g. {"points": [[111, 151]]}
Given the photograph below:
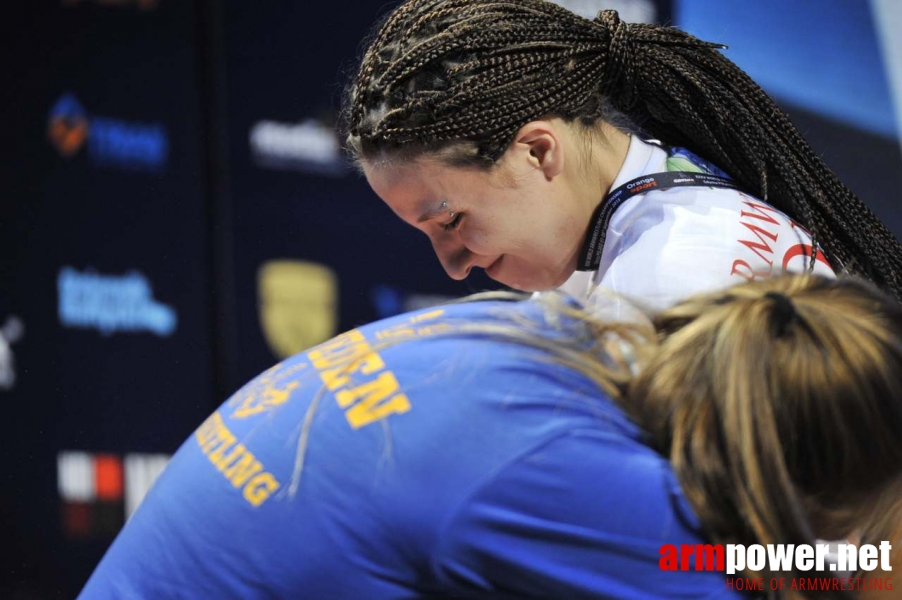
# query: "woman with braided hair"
{"points": [[509, 132]]}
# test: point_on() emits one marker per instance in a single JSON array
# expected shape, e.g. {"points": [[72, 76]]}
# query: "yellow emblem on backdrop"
{"points": [[298, 303]]}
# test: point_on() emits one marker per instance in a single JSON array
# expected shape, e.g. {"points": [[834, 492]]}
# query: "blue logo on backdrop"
{"points": [[110, 141], [389, 300], [111, 303]]}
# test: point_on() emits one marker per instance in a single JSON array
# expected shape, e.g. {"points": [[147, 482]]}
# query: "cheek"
{"points": [[543, 219], [522, 222], [484, 234], [547, 235], [506, 234]]}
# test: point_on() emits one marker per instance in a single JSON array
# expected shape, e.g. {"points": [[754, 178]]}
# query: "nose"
{"points": [[456, 259]]}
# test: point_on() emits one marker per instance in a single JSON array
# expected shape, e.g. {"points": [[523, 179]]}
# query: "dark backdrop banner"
{"points": [[105, 273]]}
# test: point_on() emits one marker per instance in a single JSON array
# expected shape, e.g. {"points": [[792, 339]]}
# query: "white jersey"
{"points": [[666, 245]]}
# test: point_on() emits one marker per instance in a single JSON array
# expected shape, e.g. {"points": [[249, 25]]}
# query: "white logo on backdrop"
{"points": [[308, 146]]}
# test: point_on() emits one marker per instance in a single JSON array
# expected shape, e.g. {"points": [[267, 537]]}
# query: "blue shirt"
{"points": [[449, 464]]}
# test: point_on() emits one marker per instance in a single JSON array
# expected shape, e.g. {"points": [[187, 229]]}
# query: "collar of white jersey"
{"points": [[641, 158]]}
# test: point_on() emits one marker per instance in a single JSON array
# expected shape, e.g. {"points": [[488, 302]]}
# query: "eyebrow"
{"points": [[430, 213]]}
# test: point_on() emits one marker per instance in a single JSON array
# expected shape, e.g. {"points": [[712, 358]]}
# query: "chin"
{"points": [[546, 283], [527, 285], [535, 287], [532, 280]]}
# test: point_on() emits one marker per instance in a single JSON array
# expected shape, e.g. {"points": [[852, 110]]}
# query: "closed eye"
{"points": [[452, 225]]}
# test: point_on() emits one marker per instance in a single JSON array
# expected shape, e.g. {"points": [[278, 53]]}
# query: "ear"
{"points": [[539, 143]]}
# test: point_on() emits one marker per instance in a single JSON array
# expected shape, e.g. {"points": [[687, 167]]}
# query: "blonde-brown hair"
{"points": [[779, 404]]}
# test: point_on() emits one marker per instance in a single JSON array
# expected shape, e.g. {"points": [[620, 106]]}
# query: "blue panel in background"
{"points": [[821, 55]]}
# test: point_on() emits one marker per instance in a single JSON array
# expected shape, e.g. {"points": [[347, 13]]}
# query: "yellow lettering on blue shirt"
{"points": [[236, 463], [434, 314], [362, 384], [267, 392]]}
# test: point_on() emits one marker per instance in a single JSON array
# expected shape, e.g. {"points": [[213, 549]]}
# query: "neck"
{"points": [[611, 154], [605, 161], [599, 170]]}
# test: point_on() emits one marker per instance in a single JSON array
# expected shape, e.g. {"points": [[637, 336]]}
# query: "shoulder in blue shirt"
{"points": [[419, 456]]}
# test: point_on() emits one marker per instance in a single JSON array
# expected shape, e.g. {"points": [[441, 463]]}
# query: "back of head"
{"points": [[458, 78], [470, 73], [780, 405]]}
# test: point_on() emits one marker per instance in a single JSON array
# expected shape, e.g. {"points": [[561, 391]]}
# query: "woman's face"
{"points": [[521, 225]]}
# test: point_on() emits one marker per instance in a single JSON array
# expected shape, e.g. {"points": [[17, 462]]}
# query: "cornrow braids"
{"points": [[441, 73]]}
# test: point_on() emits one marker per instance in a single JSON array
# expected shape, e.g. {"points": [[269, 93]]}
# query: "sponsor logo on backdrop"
{"points": [[309, 146], [141, 471], [139, 4], [389, 301], [11, 332], [100, 491], [631, 11], [68, 125], [298, 304], [109, 141], [112, 303]]}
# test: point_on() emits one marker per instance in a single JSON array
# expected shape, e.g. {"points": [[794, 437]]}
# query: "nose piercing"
{"points": [[444, 206]]}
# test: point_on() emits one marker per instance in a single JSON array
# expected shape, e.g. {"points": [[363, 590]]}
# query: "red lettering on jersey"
{"points": [[763, 246], [745, 270], [759, 212], [803, 250]]}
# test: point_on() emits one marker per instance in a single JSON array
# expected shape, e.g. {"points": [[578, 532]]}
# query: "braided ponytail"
{"points": [[468, 74]]}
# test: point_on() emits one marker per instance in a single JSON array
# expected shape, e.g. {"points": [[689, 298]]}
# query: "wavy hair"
{"points": [[779, 404]]}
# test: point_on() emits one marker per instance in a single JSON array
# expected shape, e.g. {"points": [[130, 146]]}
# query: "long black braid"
{"points": [[444, 72]]}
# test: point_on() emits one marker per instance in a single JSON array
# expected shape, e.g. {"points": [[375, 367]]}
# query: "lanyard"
{"points": [[590, 255]]}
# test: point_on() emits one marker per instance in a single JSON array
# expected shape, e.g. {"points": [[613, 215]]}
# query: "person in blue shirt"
{"points": [[483, 450]]}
